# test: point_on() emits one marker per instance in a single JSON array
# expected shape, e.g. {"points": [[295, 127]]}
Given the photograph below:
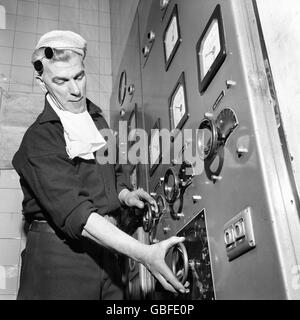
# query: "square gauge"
{"points": [[155, 152], [133, 178], [171, 38], [211, 49], [178, 108], [132, 125], [122, 87]]}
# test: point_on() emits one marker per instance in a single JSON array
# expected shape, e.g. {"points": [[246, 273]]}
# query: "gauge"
{"points": [[178, 105], [155, 147], [132, 126], [133, 178], [207, 139], [226, 122], [171, 185], [122, 87], [172, 37], [211, 50]]}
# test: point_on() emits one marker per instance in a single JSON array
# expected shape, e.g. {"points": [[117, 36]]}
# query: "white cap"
{"points": [[60, 39]]}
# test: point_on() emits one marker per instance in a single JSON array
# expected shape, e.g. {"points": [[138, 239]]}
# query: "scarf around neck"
{"points": [[80, 132]]}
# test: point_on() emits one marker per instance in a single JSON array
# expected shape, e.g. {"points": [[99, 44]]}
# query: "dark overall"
{"points": [[59, 196]]}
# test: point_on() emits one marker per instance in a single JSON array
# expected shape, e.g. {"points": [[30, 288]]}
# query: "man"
{"points": [[70, 201]]}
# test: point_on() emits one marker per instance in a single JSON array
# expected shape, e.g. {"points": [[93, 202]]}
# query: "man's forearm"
{"points": [[106, 234]]}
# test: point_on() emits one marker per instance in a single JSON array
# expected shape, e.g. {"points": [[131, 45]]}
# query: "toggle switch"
{"points": [[229, 238], [151, 36], [131, 89], [208, 115], [146, 51], [239, 229], [216, 178], [166, 229], [230, 84], [196, 198], [242, 151]]}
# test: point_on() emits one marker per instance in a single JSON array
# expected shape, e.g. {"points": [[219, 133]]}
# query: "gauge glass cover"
{"points": [[211, 50], [178, 105], [171, 38], [155, 147], [122, 87]]}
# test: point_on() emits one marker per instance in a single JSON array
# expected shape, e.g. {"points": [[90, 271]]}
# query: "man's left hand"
{"points": [[137, 198]]}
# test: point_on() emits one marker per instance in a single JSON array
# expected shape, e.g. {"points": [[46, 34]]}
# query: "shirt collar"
{"points": [[50, 115]]}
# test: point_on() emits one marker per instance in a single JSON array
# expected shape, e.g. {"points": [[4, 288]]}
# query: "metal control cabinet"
{"points": [[244, 192]]}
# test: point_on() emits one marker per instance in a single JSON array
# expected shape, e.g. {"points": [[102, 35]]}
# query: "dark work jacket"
{"points": [[60, 190]]}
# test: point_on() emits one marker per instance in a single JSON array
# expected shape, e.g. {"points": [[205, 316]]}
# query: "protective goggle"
{"points": [[48, 53]]}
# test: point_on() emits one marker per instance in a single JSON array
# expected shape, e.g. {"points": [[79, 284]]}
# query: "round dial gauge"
{"points": [[210, 48], [207, 138], [226, 122], [122, 87], [171, 186]]}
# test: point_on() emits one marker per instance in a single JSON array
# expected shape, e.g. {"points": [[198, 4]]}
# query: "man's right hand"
{"points": [[154, 261]]}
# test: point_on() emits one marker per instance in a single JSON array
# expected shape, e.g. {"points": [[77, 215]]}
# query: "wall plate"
{"points": [[239, 235]]}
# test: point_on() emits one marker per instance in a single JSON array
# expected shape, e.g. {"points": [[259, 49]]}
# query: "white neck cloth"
{"points": [[81, 134]]}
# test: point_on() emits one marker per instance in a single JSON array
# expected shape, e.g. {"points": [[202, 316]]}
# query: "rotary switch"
{"points": [[171, 186]]}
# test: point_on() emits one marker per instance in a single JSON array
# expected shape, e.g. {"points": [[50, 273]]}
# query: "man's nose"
{"points": [[73, 87]]}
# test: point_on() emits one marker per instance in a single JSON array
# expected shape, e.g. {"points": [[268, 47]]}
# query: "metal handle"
{"points": [[181, 274]]}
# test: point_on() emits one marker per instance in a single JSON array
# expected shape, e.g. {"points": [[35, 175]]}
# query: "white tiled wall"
{"points": [[11, 233], [122, 13], [26, 21]]}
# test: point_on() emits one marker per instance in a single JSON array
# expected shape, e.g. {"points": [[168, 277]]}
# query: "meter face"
{"points": [[171, 38], [155, 152], [154, 148], [122, 87], [211, 50], [178, 108]]}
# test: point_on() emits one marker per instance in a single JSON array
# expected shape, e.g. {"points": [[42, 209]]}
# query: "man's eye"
{"points": [[60, 82], [80, 77]]}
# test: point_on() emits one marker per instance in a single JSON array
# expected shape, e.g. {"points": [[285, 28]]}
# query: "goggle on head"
{"points": [[38, 65]]}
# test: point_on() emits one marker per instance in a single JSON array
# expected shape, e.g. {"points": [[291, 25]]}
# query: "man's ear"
{"points": [[41, 83]]}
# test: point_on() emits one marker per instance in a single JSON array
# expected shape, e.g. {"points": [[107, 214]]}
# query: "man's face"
{"points": [[66, 82]]}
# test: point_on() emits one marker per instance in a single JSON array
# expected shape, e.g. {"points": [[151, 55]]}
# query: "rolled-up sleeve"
{"points": [[59, 191]]}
